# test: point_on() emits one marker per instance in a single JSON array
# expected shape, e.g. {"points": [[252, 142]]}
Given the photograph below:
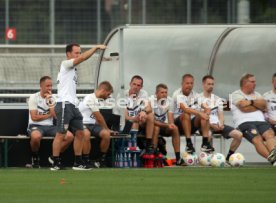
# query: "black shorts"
{"points": [[225, 131], [253, 129], [178, 123], [95, 129], [274, 128], [45, 130], [69, 117], [164, 132]]}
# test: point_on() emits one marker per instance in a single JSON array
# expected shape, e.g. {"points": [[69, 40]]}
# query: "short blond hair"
{"points": [[106, 86], [245, 77]]}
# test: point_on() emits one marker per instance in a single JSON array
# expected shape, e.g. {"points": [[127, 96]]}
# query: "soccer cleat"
{"points": [[274, 164], [51, 160], [180, 162], [35, 162], [190, 148], [81, 167], [272, 156], [207, 148]]}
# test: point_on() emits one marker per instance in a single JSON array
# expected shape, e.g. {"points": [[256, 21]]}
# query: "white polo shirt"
{"points": [[215, 104], [136, 103], [88, 106], [191, 101], [36, 102], [240, 117], [161, 108], [67, 81], [270, 98]]}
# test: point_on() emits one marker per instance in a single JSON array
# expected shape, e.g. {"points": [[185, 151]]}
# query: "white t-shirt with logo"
{"points": [[190, 101], [240, 117], [161, 108], [36, 102], [67, 81], [215, 104], [136, 103], [88, 106], [270, 98]]}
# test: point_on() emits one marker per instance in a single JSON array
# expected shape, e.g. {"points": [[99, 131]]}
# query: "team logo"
{"points": [[51, 101], [254, 131], [65, 126]]}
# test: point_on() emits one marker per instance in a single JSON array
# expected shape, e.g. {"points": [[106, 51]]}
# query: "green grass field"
{"points": [[195, 184]]}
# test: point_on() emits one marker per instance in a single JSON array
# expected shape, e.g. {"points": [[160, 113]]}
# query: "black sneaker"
{"points": [[57, 165], [207, 148], [180, 162], [81, 167], [272, 156], [35, 162], [190, 148]]}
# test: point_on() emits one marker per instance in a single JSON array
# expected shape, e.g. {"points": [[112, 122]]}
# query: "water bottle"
{"points": [[151, 160], [121, 164], [160, 160], [134, 160], [145, 160], [133, 134]]}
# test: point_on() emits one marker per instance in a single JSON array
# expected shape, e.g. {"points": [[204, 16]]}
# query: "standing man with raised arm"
{"points": [[248, 107], [68, 115]]}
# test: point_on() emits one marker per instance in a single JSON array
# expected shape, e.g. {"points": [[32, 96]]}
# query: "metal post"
{"points": [[129, 11], [52, 21], [144, 9], [228, 11], [52, 33], [234, 11], [205, 11], [7, 18], [99, 23], [189, 11]]}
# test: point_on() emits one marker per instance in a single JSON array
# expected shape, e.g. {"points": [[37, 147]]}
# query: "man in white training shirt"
{"points": [[41, 114], [270, 98], [94, 123], [188, 114], [216, 120], [247, 108], [68, 114], [139, 110], [164, 121]]}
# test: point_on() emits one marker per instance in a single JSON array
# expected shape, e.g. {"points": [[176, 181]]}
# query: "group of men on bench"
{"points": [[158, 115], [185, 113]]}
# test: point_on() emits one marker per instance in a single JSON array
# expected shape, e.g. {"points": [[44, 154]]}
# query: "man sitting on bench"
{"points": [[41, 114]]}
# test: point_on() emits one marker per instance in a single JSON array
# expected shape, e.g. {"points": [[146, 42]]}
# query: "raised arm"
{"points": [[88, 54]]}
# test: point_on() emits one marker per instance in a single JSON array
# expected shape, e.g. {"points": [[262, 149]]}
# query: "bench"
{"points": [[4, 140]]}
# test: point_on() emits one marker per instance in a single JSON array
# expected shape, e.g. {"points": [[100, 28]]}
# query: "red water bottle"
{"points": [[160, 161], [151, 160], [145, 158]]}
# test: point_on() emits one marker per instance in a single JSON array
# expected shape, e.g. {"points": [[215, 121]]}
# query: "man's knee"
{"points": [[105, 134], [36, 136], [236, 134]]}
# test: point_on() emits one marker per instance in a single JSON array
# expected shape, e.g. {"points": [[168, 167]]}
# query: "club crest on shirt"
{"points": [[254, 131], [65, 126]]}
